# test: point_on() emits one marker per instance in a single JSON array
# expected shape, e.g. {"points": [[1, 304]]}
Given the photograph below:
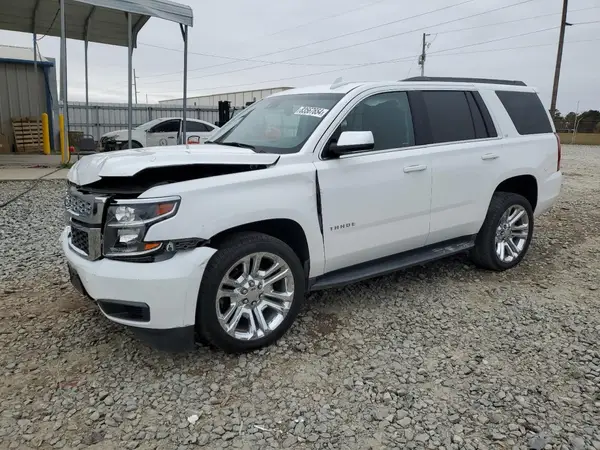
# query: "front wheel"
{"points": [[251, 292], [506, 233]]}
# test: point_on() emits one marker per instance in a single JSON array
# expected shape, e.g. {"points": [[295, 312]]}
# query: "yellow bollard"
{"points": [[61, 134], [45, 134]]}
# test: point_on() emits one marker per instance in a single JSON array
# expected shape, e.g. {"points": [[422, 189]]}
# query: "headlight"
{"points": [[127, 222]]}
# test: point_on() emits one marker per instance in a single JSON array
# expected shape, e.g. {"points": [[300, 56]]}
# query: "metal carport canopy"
{"points": [[114, 22]]}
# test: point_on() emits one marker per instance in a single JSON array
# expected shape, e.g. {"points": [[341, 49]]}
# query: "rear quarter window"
{"points": [[526, 111]]}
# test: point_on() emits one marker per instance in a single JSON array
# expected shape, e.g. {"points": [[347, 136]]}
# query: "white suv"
{"points": [[308, 189]]}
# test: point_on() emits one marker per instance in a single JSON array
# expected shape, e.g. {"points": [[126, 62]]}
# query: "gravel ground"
{"points": [[440, 357]]}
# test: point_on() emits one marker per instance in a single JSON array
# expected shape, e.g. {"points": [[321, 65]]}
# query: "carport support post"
{"points": [[184, 32], [87, 97], [87, 92], [63, 79], [129, 71]]}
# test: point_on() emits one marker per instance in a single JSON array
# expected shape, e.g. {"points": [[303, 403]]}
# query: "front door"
{"points": [[165, 133], [376, 203]]}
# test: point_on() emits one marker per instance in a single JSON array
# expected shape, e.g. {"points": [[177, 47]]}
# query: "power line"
{"points": [[226, 57], [464, 46], [342, 65], [512, 48], [411, 58], [405, 58], [335, 37], [494, 40], [456, 30], [368, 5], [585, 23], [350, 45]]}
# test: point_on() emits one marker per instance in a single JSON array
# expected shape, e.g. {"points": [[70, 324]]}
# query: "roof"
{"points": [[468, 80], [344, 88], [104, 19], [25, 54]]}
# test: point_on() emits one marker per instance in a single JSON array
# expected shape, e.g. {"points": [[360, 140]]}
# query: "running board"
{"points": [[389, 264]]}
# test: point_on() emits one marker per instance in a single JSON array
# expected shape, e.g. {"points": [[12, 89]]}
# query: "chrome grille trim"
{"points": [[78, 206], [87, 208], [85, 213]]}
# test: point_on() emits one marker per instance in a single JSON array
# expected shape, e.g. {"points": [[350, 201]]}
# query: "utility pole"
{"points": [[561, 40], [135, 85], [423, 54], [146, 99]]}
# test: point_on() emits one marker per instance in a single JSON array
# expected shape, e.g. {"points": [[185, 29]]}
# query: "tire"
{"points": [[493, 232], [213, 307]]}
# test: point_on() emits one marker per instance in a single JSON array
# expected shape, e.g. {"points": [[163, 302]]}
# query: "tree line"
{"points": [[586, 122]]}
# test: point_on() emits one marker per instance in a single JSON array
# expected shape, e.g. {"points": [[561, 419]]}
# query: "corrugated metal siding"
{"points": [[22, 94], [237, 99], [105, 117]]}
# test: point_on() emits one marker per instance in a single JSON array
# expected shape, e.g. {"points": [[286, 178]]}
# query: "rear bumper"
{"points": [[158, 299], [548, 193]]}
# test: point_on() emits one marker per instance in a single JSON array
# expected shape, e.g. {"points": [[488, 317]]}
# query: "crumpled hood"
{"points": [[114, 134], [126, 163]]}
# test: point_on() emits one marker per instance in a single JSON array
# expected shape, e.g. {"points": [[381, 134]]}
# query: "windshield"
{"points": [[279, 124], [148, 125]]}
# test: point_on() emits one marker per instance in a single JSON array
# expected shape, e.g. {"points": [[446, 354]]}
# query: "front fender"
{"points": [[212, 205]]}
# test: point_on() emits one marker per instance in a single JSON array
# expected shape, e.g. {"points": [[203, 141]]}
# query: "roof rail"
{"points": [[467, 80]]}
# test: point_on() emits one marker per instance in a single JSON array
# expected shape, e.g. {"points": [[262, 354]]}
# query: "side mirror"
{"points": [[352, 142]]}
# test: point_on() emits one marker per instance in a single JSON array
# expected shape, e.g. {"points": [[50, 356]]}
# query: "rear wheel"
{"points": [[506, 233], [251, 292]]}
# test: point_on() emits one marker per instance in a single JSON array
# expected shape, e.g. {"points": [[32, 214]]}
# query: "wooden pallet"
{"points": [[28, 134]]}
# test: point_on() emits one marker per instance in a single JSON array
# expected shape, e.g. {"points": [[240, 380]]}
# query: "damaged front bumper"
{"points": [[158, 300]]}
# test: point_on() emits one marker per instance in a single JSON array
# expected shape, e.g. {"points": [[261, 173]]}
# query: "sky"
{"points": [[239, 45]]}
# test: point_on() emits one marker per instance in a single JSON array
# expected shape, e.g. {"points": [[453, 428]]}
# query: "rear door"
{"points": [[466, 153], [165, 133], [375, 203], [197, 132]]}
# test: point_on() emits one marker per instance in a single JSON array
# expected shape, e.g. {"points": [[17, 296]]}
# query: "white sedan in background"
{"points": [[158, 132]]}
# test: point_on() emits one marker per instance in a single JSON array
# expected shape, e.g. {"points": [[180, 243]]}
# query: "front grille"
{"points": [[78, 206], [80, 240], [86, 212]]}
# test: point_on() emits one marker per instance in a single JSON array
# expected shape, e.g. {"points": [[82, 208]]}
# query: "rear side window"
{"points": [[526, 111], [196, 126], [449, 116]]}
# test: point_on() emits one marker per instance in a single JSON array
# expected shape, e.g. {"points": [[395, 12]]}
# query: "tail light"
{"points": [[193, 140], [559, 151]]}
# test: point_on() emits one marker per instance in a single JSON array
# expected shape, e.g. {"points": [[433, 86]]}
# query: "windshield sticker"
{"points": [[314, 111]]}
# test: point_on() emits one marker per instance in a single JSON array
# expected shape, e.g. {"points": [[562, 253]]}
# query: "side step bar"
{"points": [[389, 264]]}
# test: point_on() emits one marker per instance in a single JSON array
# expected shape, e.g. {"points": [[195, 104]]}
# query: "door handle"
{"points": [[489, 156], [170, 137], [415, 168]]}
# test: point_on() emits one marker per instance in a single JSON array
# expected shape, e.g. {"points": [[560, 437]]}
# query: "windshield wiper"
{"points": [[237, 144]]}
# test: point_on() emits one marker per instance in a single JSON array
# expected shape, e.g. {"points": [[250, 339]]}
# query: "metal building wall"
{"points": [[105, 117], [22, 94], [237, 99]]}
